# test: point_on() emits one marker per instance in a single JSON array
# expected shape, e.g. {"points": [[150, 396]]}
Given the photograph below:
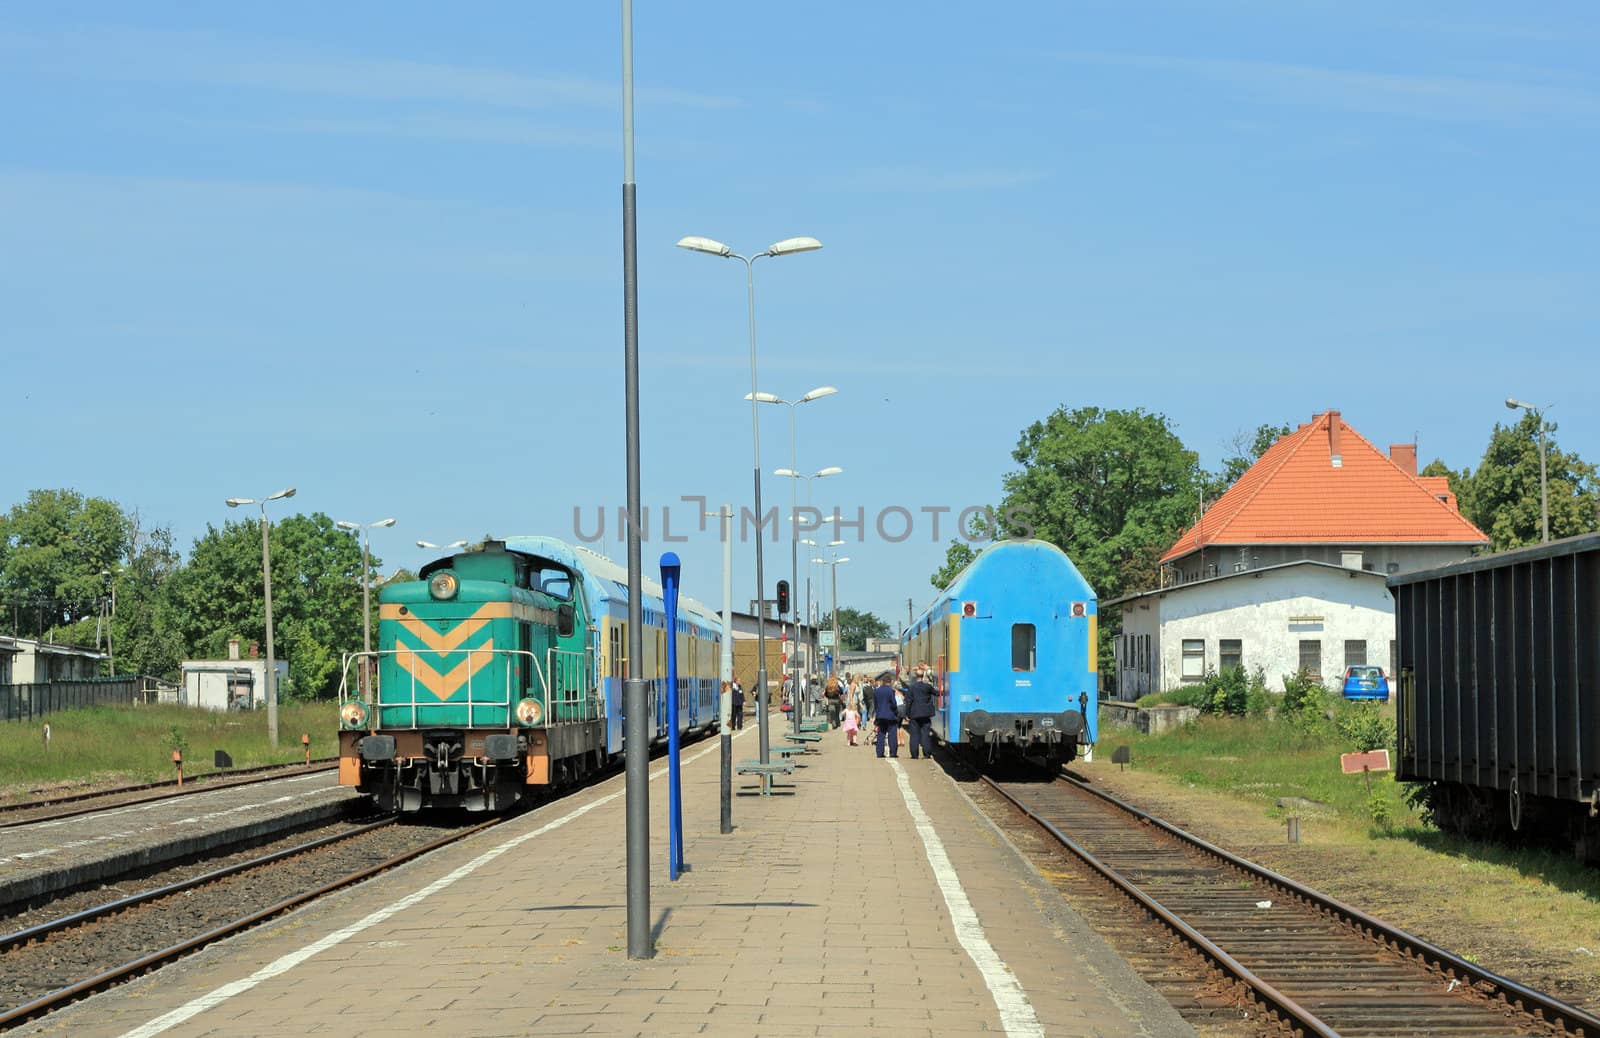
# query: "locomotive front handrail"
{"points": [[573, 695]]}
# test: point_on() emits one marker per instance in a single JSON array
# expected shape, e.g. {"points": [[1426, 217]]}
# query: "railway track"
{"points": [[1307, 964], [53, 963], [76, 804]]}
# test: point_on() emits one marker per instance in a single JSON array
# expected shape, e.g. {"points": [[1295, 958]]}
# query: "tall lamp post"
{"points": [[365, 530], [1544, 485], [833, 567], [788, 246], [266, 580], [441, 547], [794, 522]]}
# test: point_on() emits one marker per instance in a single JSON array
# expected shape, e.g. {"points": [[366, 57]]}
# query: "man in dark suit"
{"points": [[885, 716], [922, 700]]}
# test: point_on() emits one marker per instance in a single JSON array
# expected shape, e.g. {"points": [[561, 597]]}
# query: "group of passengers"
{"points": [[888, 703]]}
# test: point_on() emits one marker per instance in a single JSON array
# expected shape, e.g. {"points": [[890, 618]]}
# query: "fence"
{"points": [[26, 702]]}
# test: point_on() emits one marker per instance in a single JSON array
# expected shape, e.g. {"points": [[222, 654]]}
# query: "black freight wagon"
{"points": [[1499, 704]]}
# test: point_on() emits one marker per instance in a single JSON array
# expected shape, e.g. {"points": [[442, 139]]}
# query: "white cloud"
{"points": [[1437, 97], [120, 53]]}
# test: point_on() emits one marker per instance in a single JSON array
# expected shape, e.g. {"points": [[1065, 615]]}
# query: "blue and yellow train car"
{"points": [[500, 669], [1013, 641]]}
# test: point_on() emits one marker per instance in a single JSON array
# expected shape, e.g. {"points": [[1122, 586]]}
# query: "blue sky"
{"points": [[373, 250]]}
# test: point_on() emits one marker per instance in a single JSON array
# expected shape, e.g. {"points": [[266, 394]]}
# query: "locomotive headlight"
{"points": [[529, 712], [353, 714], [443, 585]]}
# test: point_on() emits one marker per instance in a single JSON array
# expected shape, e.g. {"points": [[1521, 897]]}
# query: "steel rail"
{"points": [[33, 933], [1536, 1003], [1280, 1006], [281, 771], [57, 999]]}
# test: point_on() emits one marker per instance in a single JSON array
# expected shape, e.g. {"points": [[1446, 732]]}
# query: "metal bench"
{"points": [[803, 736], [755, 767], [789, 750], [766, 771]]}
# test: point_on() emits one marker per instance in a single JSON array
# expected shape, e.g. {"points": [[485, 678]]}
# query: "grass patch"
{"points": [[1263, 759], [112, 745], [1188, 696]]}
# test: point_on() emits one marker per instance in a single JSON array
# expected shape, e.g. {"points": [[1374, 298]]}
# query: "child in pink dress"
{"points": [[851, 723]]}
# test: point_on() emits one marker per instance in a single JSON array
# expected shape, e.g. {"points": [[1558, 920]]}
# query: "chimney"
{"points": [[1404, 455], [255, 649], [233, 648], [1335, 429]]}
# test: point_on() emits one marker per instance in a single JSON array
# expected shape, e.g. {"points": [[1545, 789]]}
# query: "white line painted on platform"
{"points": [[288, 962], [1016, 1012], [192, 820]]}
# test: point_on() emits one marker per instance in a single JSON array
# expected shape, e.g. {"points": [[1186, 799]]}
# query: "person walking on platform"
{"points": [[737, 719], [834, 696], [851, 722], [922, 701], [885, 717]]}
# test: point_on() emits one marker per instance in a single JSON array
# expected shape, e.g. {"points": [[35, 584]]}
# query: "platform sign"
{"points": [[824, 639]]}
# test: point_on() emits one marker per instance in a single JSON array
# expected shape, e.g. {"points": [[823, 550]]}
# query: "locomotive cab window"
{"points": [[1024, 647]]}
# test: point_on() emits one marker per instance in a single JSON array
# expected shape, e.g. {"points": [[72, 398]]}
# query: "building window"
{"points": [[1230, 653], [1311, 657], [1194, 659], [1355, 653], [1022, 647]]}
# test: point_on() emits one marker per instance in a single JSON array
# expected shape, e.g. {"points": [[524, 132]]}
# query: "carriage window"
{"points": [[1023, 647]]}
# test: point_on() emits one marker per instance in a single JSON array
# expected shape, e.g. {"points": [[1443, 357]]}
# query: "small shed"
{"points": [[230, 684]]}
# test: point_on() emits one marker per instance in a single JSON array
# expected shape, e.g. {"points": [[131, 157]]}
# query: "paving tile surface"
{"points": [[819, 915]]}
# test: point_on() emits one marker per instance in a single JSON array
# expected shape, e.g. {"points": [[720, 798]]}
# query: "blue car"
{"points": [[1365, 682]]}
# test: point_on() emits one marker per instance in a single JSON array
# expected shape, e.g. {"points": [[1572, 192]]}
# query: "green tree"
{"points": [[1247, 450], [147, 635], [855, 627], [316, 596], [58, 550], [1113, 489], [957, 556], [1502, 496]]}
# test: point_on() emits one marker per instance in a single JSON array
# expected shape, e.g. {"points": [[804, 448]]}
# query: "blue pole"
{"points": [[670, 568]]}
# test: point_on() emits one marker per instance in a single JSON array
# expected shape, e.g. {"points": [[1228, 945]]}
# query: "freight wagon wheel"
{"points": [[1515, 799]]}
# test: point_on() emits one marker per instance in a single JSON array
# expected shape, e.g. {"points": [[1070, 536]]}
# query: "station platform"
{"points": [[867, 896]]}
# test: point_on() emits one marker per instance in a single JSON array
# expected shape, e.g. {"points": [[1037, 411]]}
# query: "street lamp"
{"points": [[1544, 487], [366, 590], [441, 547], [711, 247], [794, 514], [266, 580], [833, 565]]}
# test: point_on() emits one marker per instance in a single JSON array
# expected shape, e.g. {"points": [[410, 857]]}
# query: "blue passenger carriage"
{"points": [[1013, 640]]}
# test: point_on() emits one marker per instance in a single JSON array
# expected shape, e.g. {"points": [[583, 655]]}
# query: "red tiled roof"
{"points": [[1294, 494]]}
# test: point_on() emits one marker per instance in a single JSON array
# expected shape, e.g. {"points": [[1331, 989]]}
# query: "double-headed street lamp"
{"points": [[833, 566], [794, 517], [1544, 486], [266, 579], [441, 547], [788, 246], [366, 590]]}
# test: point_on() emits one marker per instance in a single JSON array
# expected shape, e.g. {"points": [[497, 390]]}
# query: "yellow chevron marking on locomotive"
{"points": [[443, 641], [436, 644], [443, 686]]}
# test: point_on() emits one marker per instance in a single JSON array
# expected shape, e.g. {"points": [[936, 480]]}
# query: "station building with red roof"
{"points": [[1287, 570]]}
